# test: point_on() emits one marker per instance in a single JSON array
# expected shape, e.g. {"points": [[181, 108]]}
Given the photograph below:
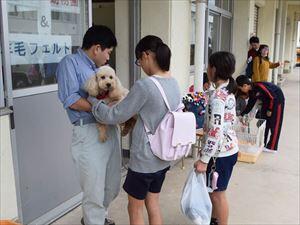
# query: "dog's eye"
{"points": [[110, 77], [103, 77]]}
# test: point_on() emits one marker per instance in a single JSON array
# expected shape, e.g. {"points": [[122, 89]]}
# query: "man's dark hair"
{"points": [[224, 62], [254, 39], [242, 79], [99, 35]]}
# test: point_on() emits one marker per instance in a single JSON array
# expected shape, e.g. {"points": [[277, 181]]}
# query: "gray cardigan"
{"points": [[145, 101]]}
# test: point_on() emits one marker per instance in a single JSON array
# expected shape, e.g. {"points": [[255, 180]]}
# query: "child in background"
{"points": [[252, 53], [241, 102], [221, 147], [272, 110], [261, 65], [206, 84]]}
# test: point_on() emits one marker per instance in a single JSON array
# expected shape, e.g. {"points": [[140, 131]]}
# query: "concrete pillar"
{"points": [[277, 38], [282, 38], [294, 43], [199, 44], [266, 27]]}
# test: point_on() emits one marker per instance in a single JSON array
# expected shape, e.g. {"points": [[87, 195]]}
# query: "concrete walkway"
{"points": [[266, 192]]}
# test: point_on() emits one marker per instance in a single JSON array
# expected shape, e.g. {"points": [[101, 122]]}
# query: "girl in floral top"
{"points": [[221, 147]]}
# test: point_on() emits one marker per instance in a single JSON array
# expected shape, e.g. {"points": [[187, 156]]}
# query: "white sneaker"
{"points": [[269, 150]]}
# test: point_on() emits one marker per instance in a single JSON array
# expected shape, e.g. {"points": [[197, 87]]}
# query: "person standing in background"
{"points": [[261, 65]]}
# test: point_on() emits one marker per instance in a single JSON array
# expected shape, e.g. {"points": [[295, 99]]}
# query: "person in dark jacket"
{"points": [[272, 109], [252, 53]]}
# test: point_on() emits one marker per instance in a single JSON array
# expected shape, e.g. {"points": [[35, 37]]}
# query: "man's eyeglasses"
{"points": [[137, 62]]}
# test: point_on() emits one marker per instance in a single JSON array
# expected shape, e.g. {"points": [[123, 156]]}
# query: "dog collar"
{"points": [[102, 95]]}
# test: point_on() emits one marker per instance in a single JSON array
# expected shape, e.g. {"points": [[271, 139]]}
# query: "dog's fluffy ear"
{"points": [[91, 86]]}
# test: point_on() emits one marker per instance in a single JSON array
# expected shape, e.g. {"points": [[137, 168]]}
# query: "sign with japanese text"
{"points": [[38, 48], [70, 6]]}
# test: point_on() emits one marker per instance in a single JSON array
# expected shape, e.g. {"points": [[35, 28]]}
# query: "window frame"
{"points": [[210, 8], [11, 93]]}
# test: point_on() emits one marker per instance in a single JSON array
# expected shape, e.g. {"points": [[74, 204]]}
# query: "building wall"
{"points": [[165, 19], [241, 33], [122, 50], [8, 201], [180, 42], [266, 27], [155, 20], [290, 27], [122, 34]]}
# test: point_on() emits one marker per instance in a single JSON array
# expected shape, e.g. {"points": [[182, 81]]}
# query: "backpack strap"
{"points": [[158, 85]]}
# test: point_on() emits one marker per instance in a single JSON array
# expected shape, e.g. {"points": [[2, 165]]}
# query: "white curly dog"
{"points": [[105, 85]]}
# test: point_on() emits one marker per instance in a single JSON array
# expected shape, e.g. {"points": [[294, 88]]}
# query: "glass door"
{"points": [[37, 35]]}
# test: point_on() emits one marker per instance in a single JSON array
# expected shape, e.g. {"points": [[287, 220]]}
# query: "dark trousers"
{"points": [[274, 123]]}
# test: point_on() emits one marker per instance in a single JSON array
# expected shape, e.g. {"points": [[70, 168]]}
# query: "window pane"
{"points": [[225, 34], [213, 33], [225, 5], [41, 33], [215, 3], [193, 39]]}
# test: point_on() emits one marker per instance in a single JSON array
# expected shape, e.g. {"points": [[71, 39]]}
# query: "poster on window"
{"points": [[68, 6], [38, 48]]}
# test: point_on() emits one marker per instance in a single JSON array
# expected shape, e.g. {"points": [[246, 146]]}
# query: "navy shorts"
{"points": [[138, 185], [224, 167]]}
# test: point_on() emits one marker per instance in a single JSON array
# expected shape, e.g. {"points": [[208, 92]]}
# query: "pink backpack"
{"points": [[175, 134]]}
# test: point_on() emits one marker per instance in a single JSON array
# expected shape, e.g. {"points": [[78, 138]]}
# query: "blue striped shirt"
{"points": [[72, 73]]}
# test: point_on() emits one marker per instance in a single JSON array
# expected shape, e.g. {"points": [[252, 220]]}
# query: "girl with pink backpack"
{"points": [[146, 171], [220, 152]]}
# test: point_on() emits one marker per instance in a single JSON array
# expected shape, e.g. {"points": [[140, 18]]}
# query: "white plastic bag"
{"points": [[195, 201]]}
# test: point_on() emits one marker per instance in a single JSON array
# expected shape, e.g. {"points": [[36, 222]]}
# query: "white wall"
{"points": [[266, 27], [241, 33], [170, 20], [122, 34], [290, 27], [122, 50], [180, 42], [8, 200], [155, 20]]}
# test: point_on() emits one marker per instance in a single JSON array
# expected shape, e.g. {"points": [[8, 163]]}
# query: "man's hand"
{"points": [[269, 113], [200, 166], [81, 105], [92, 100]]}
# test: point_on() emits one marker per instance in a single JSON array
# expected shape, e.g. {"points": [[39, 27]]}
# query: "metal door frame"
{"points": [[9, 99], [2, 104]]}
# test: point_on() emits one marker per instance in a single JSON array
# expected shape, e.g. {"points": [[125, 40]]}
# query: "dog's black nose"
{"points": [[108, 85]]}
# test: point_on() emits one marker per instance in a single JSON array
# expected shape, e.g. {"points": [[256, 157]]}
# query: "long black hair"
{"points": [[224, 62], [156, 45], [261, 47]]}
